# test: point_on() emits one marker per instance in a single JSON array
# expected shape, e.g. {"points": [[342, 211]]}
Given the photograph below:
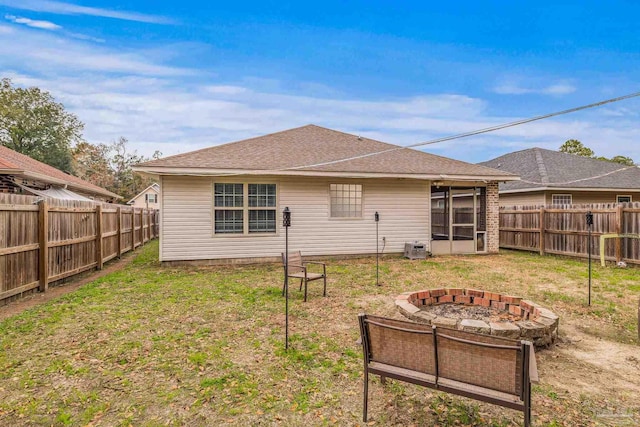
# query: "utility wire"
{"points": [[475, 132]]}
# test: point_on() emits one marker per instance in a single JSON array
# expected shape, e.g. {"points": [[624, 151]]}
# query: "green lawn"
{"points": [[150, 345]]}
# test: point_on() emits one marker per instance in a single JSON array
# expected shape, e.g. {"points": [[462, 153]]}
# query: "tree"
{"points": [[91, 163], [573, 146], [126, 183], [623, 160], [32, 123]]}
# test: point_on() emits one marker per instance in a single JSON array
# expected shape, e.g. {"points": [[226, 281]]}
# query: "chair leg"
{"points": [[527, 409], [325, 286], [284, 283], [301, 280], [305, 291], [366, 396]]}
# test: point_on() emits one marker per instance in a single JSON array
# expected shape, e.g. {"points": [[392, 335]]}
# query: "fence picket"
{"points": [[44, 241], [563, 229]]}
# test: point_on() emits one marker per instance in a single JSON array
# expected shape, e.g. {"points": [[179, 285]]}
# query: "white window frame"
{"points": [[155, 198], [359, 214], [623, 195], [245, 208], [570, 196]]}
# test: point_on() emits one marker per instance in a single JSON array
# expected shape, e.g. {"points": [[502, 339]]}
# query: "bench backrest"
{"points": [[295, 260], [401, 344], [486, 361]]}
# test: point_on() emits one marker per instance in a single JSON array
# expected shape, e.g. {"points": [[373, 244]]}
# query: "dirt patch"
{"points": [[32, 300]]}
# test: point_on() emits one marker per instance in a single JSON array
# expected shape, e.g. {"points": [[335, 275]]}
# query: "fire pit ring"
{"points": [[481, 311]]}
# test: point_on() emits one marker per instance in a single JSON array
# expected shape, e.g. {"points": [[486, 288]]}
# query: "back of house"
{"points": [[224, 204]]}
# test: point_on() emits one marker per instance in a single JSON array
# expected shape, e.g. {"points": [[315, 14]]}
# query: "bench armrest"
{"points": [[533, 366]]}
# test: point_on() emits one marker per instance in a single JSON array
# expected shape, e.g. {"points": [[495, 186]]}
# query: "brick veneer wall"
{"points": [[493, 218]]}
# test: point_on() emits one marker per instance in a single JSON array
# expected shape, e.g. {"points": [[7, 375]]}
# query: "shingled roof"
{"points": [[539, 169], [17, 164], [314, 150]]}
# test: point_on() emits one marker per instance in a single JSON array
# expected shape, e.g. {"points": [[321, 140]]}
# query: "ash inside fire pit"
{"points": [[471, 312], [482, 312]]}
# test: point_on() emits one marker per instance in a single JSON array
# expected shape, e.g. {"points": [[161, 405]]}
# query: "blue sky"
{"points": [[178, 76]]}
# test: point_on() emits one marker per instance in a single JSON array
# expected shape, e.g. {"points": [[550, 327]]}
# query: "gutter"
{"points": [[234, 172]]}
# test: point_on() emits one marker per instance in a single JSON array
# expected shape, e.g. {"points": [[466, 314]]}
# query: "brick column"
{"points": [[493, 218]]}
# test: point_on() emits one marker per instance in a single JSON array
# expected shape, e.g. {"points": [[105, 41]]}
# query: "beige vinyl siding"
{"points": [[187, 219], [139, 201], [522, 199], [586, 197]]}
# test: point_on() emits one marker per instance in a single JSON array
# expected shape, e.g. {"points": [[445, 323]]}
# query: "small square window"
{"points": [[346, 200], [623, 199]]}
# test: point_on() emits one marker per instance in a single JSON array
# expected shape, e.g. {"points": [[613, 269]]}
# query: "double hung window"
{"points": [[241, 208]]}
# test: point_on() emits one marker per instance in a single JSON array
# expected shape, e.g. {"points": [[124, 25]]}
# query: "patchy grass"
{"points": [[150, 345]]}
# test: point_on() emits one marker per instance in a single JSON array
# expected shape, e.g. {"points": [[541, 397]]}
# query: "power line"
{"points": [[475, 132]]}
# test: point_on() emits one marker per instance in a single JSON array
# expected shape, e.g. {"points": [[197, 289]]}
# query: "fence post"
{"points": [[618, 241], [119, 228], [141, 226], [133, 229], [99, 262], [149, 220], [541, 225], [43, 255]]}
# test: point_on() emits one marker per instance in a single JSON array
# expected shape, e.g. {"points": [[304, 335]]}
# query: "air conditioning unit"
{"points": [[415, 250]]}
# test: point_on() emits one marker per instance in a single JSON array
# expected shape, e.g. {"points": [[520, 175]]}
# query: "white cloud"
{"points": [[558, 89], [172, 109], [162, 114], [48, 52], [63, 8], [515, 88], [43, 25]]}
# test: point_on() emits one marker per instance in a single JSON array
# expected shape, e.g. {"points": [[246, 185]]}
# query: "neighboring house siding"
{"points": [[187, 219], [578, 197], [587, 197], [520, 199], [140, 201]]}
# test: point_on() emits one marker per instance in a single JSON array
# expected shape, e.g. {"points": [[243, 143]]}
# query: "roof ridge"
{"points": [[174, 156], [542, 168]]}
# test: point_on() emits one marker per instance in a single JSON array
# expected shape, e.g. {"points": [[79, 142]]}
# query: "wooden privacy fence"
{"points": [[562, 230], [43, 241]]}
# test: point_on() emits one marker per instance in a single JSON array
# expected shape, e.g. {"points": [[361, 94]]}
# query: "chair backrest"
{"points": [[398, 343], [486, 361], [295, 260]]}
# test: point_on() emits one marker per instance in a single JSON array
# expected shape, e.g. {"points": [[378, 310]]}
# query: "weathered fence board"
{"points": [[45, 241], [563, 230]]}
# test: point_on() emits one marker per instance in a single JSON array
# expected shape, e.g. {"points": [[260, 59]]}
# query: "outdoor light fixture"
{"points": [[286, 223], [589, 218]]}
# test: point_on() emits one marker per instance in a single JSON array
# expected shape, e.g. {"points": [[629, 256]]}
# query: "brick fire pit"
{"points": [[481, 311]]}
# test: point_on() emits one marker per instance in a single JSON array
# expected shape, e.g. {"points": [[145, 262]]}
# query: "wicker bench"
{"points": [[482, 367]]}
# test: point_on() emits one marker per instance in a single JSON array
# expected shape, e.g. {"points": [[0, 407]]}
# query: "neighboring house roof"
{"points": [[314, 150], [57, 193], [14, 163], [153, 187], [541, 169]]}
